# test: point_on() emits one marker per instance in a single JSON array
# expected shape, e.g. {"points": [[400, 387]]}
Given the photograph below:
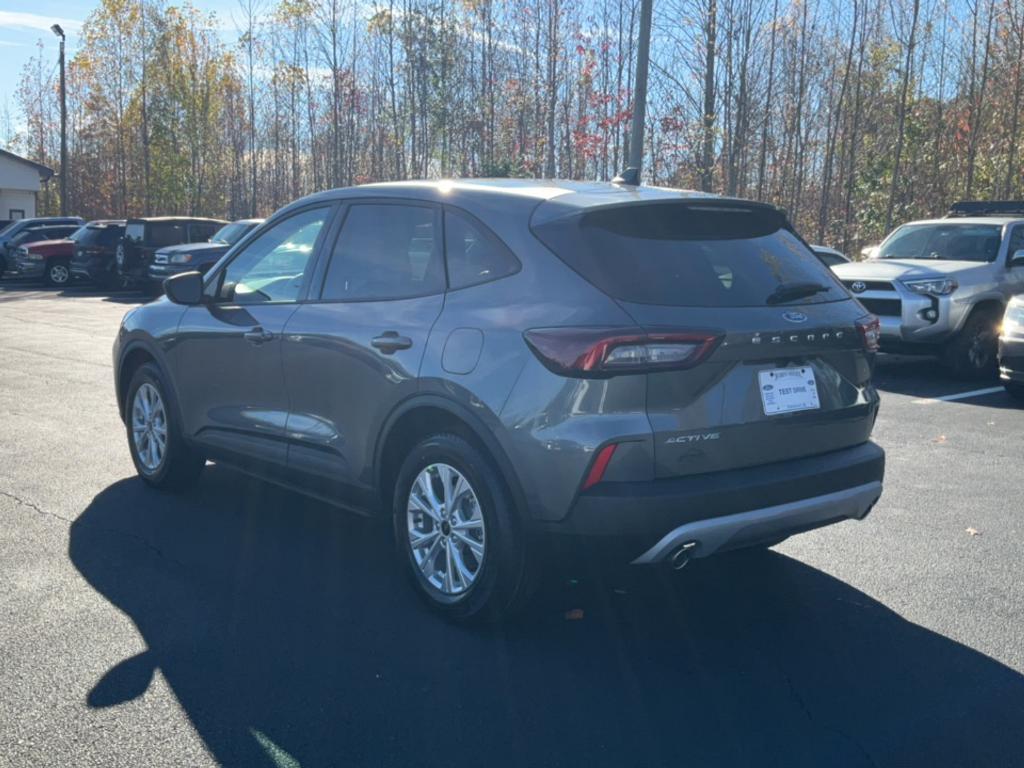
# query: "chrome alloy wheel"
{"points": [[446, 529], [149, 427]]}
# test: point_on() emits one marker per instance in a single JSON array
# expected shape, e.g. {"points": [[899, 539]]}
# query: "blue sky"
{"points": [[26, 22]]}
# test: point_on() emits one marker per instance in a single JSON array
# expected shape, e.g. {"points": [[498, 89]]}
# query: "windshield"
{"points": [[947, 242], [230, 233], [691, 256]]}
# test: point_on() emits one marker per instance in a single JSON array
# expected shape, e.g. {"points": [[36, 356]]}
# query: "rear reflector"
{"points": [[599, 466], [602, 352], [870, 332]]}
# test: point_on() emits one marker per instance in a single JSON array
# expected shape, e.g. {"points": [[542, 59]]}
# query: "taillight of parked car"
{"points": [[602, 352], [870, 331]]}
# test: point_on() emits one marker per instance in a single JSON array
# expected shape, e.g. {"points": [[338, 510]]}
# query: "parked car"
{"points": [[199, 256], [494, 362], [144, 237], [1011, 348], [28, 236], [17, 225], [94, 253], [52, 260], [830, 256], [940, 286]]}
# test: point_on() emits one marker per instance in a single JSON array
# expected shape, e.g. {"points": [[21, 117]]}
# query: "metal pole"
{"points": [[636, 133], [63, 137]]}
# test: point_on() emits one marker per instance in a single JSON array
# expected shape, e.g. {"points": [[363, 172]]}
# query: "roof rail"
{"points": [[986, 208]]}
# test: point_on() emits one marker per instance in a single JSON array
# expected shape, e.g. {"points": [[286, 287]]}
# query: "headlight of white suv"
{"points": [[181, 258], [942, 286]]}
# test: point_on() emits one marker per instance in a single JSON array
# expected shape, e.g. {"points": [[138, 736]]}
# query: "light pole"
{"points": [[636, 132], [56, 29]]}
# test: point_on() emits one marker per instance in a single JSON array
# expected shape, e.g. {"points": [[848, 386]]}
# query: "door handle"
{"points": [[390, 342], [257, 335]]}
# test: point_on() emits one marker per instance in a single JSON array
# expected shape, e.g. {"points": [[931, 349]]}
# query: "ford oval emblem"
{"points": [[795, 317], [859, 286]]}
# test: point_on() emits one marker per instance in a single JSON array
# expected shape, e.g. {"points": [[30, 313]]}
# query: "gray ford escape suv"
{"points": [[493, 362]]}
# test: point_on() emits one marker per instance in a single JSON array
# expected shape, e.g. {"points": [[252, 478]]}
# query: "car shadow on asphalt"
{"points": [[290, 637], [13, 289]]}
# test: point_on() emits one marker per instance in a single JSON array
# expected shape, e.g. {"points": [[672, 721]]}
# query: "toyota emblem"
{"points": [[859, 287]]}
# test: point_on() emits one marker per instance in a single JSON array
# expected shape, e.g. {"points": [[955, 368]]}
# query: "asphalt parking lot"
{"points": [[244, 625]]}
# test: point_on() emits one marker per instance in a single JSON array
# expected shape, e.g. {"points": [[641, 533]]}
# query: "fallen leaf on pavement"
{"points": [[574, 615], [973, 532], [939, 439]]}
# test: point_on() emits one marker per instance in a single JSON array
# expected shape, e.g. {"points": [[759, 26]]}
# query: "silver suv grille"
{"points": [[879, 297], [160, 258]]}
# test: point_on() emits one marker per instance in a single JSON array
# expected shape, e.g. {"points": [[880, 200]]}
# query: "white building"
{"points": [[20, 180]]}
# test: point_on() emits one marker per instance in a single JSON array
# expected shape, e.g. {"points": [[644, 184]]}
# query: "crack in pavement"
{"points": [[107, 529], [810, 717]]}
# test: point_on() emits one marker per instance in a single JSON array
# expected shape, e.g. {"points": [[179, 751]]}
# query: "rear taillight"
{"points": [[602, 352], [870, 332]]}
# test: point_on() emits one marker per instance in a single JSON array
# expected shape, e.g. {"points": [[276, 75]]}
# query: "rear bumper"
{"points": [[706, 537], [731, 508], [92, 268]]}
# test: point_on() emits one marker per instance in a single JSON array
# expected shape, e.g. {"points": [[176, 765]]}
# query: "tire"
{"points": [[57, 273], [1014, 389], [973, 353], [177, 466], [494, 584]]}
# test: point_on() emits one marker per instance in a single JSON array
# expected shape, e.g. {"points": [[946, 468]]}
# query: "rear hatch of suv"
{"points": [[753, 352]]}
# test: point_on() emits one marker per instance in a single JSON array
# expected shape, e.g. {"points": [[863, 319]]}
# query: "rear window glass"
{"points": [[689, 256], [166, 233], [97, 235], [946, 242], [135, 231]]}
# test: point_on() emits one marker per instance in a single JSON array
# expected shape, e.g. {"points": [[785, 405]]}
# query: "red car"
{"points": [[48, 259]]}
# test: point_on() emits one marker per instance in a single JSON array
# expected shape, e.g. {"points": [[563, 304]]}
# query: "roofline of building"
{"points": [[44, 171]]}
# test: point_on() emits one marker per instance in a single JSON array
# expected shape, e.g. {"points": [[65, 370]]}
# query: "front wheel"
{"points": [[161, 456], [57, 273], [457, 532], [972, 354]]}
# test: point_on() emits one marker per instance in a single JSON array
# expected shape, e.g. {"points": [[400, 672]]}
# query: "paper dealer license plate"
{"points": [[784, 390]]}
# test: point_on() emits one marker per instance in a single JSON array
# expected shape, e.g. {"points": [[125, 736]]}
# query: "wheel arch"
{"points": [[136, 354], [422, 415]]}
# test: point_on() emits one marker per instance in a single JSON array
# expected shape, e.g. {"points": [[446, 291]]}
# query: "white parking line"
{"points": [[958, 396]]}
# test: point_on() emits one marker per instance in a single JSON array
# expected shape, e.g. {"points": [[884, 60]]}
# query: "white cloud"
{"points": [[20, 21]]}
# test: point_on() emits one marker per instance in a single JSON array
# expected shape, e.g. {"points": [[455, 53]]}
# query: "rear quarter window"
{"points": [[161, 233], [688, 255]]}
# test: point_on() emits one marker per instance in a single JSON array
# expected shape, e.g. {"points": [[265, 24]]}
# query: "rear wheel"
{"points": [[57, 273], [972, 354], [161, 456], [457, 531]]}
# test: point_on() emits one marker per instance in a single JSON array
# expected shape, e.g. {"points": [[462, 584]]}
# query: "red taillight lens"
{"points": [[601, 352], [870, 332], [598, 467]]}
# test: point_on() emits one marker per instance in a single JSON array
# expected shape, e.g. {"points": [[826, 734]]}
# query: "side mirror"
{"points": [[1017, 260], [186, 288]]}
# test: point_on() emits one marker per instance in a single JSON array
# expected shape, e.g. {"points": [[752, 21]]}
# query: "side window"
{"points": [[1016, 240], [163, 233], [200, 233], [110, 235], [385, 252], [474, 255], [274, 265]]}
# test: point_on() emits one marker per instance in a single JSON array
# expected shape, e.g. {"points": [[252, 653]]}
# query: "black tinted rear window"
{"points": [[104, 235], [687, 255]]}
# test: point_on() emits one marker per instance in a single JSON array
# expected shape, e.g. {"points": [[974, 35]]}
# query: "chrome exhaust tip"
{"points": [[681, 556]]}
